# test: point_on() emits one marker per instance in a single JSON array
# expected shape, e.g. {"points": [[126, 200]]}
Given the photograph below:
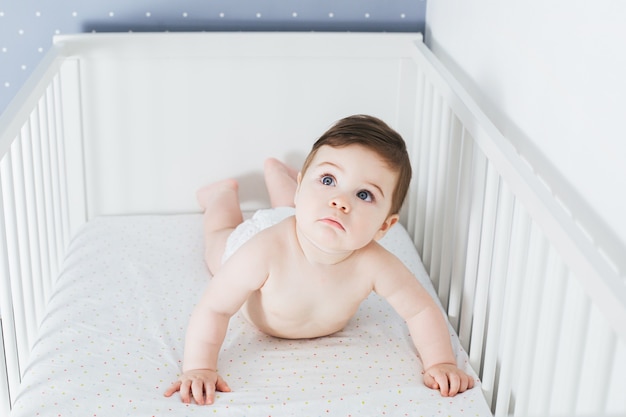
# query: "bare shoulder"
{"points": [[250, 265], [390, 273], [266, 244], [277, 235], [375, 257]]}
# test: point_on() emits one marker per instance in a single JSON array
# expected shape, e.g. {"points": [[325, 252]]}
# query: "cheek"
{"points": [[304, 202], [307, 195], [376, 222], [299, 198]]}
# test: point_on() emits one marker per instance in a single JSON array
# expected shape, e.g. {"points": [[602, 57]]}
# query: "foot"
{"points": [[281, 182], [215, 191]]}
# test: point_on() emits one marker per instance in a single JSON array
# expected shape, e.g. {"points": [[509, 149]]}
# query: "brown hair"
{"points": [[376, 135]]}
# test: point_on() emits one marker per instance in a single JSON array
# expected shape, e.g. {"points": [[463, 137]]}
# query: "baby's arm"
{"points": [[205, 334], [427, 326], [225, 294], [429, 332]]}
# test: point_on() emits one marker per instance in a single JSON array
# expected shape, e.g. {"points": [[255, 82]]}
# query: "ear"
{"points": [[299, 181], [384, 228]]}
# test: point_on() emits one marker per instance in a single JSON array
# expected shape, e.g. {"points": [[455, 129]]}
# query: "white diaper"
{"points": [[262, 219]]}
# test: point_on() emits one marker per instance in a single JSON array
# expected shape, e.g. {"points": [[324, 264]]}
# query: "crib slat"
{"points": [[55, 178], [481, 284], [439, 194], [13, 252], [527, 335], [616, 400], [572, 336], [431, 191], [20, 228], [551, 313], [46, 137], [596, 365], [422, 170], [64, 222], [416, 150], [511, 315], [479, 176], [461, 231], [49, 148], [42, 230], [9, 330], [5, 399], [32, 221], [498, 282], [450, 204]]}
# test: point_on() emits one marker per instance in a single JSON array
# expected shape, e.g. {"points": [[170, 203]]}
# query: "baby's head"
{"points": [[375, 135]]}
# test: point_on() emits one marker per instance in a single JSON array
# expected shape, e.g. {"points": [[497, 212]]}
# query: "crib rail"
{"points": [[34, 214], [538, 304]]}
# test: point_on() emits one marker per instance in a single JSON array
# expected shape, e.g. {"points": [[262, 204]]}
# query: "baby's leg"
{"points": [[222, 214], [281, 183]]}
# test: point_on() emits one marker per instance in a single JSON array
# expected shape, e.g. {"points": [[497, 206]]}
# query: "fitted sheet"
{"points": [[112, 339]]}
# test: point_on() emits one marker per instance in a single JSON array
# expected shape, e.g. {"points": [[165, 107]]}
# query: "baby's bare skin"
{"points": [[306, 276], [319, 299]]}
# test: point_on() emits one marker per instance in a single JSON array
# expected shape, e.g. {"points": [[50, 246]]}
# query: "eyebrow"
{"points": [[373, 185]]}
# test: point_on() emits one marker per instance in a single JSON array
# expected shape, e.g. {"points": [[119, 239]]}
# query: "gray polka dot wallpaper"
{"points": [[27, 26]]}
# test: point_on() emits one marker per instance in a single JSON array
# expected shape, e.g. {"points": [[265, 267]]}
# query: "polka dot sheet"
{"points": [[113, 337]]}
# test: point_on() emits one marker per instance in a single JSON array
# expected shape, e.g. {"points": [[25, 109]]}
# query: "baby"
{"points": [[303, 272]]}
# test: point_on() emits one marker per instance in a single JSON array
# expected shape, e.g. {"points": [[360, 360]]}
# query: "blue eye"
{"points": [[364, 195], [328, 180]]}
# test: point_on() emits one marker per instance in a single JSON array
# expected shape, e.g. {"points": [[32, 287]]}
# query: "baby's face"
{"points": [[344, 198]]}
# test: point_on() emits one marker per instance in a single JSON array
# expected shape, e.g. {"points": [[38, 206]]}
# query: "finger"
{"points": [[455, 384], [467, 382], [221, 385], [210, 393], [442, 381], [197, 389], [430, 382], [464, 383], [172, 389], [185, 390]]}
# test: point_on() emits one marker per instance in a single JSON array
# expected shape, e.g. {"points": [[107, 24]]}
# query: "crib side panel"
{"points": [[536, 300], [37, 214], [160, 123]]}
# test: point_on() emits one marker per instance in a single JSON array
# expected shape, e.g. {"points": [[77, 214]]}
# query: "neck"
{"points": [[319, 255]]}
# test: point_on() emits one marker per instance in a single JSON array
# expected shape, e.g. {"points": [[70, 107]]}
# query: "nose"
{"points": [[340, 203]]}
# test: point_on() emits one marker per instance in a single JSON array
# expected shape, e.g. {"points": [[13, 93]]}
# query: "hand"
{"points": [[199, 383], [448, 379]]}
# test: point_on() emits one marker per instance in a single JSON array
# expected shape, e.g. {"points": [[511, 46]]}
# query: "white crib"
{"points": [[133, 124]]}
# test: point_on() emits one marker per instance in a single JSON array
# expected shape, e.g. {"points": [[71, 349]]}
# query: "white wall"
{"points": [[552, 75]]}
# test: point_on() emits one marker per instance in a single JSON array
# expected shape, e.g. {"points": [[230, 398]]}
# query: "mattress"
{"points": [[112, 339]]}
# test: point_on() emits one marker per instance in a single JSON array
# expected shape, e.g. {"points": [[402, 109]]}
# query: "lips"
{"points": [[333, 223]]}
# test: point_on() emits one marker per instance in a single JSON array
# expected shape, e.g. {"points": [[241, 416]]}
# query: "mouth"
{"points": [[333, 223]]}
